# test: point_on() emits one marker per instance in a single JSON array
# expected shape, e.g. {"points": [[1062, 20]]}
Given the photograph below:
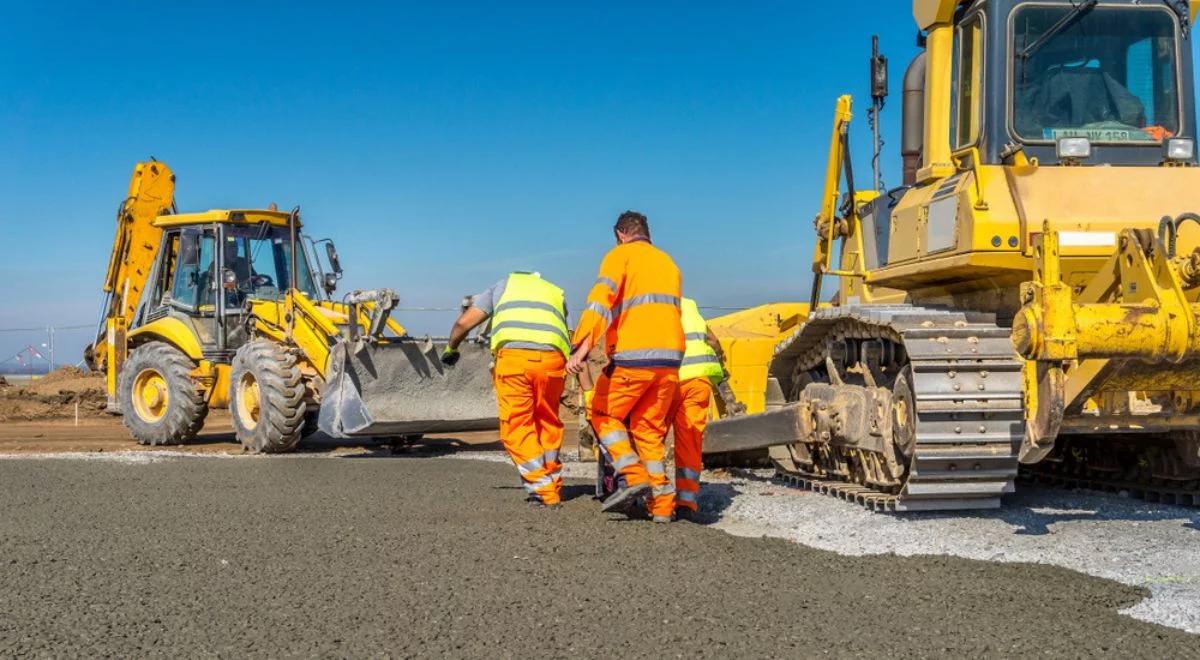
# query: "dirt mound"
{"points": [[65, 374], [55, 395]]}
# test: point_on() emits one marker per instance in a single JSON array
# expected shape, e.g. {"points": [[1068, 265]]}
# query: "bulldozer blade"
{"points": [[780, 426], [402, 388]]}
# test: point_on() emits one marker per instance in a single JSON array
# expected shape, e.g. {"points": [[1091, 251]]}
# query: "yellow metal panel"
{"points": [[312, 331], [748, 339], [931, 12], [939, 47], [171, 330], [233, 216], [218, 396]]}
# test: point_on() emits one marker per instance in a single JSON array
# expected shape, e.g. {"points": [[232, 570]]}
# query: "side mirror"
{"points": [[331, 252], [330, 283]]}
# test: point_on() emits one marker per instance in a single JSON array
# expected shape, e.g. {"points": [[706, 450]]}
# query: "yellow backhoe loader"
{"points": [[233, 308], [1030, 294]]}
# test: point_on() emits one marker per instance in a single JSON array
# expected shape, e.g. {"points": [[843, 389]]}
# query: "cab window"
{"points": [[966, 110], [193, 282], [1109, 75]]}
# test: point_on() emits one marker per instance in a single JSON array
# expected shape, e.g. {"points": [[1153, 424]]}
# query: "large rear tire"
{"points": [[159, 399], [266, 398]]}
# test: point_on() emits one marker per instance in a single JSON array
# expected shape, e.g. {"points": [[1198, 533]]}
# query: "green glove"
{"points": [[450, 356]]}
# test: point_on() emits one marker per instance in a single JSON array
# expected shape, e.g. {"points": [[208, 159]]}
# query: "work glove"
{"points": [[450, 356]]}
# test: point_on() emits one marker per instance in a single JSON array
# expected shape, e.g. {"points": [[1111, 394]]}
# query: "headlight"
{"points": [[1074, 148], [1181, 149]]}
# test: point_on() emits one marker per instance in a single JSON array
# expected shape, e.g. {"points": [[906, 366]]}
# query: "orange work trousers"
{"points": [[644, 396], [529, 384], [690, 416]]}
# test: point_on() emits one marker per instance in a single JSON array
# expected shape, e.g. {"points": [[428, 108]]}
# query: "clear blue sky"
{"points": [[442, 144]]}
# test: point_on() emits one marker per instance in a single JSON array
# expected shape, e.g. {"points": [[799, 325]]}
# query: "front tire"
{"points": [[159, 399], [266, 398]]}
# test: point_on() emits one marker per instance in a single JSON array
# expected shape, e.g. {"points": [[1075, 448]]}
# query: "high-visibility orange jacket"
{"points": [[634, 308]]}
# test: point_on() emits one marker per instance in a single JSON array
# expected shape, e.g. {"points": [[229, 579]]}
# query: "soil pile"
{"points": [[54, 396]]}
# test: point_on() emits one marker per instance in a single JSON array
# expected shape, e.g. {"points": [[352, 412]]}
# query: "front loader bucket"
{"points": [[402, 388]]}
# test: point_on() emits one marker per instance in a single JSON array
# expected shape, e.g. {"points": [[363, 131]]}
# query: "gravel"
{"points": [[413, 556], [1133, 542]]}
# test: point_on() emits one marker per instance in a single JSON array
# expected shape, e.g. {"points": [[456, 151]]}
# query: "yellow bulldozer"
{"points": [[1029, 295], [234, 309]]}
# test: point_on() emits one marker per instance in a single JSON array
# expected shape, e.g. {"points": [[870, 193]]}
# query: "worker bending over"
{"points": [[700, 371], [529, 339], [634, 309]]}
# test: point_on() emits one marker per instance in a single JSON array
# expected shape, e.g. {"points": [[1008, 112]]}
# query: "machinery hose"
{"points": [[1168, 230]]}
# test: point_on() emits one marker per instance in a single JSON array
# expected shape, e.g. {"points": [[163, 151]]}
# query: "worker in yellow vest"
{"points": [[530, 341], [699, 373]]}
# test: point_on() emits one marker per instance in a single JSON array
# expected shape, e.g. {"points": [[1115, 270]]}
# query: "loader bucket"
{"points": [[402, 388]]}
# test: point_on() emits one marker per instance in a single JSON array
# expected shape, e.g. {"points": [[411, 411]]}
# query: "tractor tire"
{"points": [[159, 399], [266, 398]]}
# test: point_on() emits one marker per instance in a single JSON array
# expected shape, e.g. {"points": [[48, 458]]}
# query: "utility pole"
{"points": [[50, 346]]}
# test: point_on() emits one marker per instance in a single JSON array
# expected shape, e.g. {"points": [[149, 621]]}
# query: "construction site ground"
{"points": [[359, 550], [107, 548]]}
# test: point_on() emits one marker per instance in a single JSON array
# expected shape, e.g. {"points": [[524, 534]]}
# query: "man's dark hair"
{"points": [[634, 224]]}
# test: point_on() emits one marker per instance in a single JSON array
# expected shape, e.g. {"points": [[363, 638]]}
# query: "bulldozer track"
{"points": [[969, 404], [1136, 489]]}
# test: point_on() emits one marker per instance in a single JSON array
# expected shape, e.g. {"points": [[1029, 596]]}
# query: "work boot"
{"points": [[622, 496], [685, 514]]}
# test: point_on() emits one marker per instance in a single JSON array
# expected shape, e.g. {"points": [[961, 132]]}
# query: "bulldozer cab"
{"points": [[1117, 73]]}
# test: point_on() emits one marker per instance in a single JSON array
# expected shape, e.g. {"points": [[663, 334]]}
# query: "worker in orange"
{"points": [[529, 338], [634, 310], [699, 373]]}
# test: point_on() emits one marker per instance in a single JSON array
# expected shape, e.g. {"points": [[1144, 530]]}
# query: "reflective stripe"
{"points": [[696, 336], [551, 456], [625, 461], [687, 473], [646, 299], [700, 359], [613, 437], [652, 357], [686, 496], [655, 467], [599, 309], [607, 281], [665, 489], [530, 346], [525, 325], [529, 304], [530, 466], [539, 484]]}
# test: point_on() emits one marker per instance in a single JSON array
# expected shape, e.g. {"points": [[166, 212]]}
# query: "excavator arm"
{"points": [[151, 194]]}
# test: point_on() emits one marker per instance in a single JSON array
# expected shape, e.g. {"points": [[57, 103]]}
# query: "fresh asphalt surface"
{"points": [[413, 556]]}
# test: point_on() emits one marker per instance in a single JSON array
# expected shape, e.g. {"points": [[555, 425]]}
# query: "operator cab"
{"points": [[1074, 81], [212, 264]]}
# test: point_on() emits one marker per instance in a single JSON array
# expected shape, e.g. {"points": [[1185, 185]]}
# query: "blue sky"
{"points": [[441, 144]]}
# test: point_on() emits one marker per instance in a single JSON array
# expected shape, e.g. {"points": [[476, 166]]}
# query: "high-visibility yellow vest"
{"points": [[699, 359], [531, 313]]}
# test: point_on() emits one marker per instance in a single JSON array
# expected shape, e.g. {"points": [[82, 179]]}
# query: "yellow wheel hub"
{"points": [[249, 401], [151, 396]]}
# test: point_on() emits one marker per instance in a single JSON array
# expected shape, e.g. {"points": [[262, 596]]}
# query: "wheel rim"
{"points": [[249, 401], [151, 396]]}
